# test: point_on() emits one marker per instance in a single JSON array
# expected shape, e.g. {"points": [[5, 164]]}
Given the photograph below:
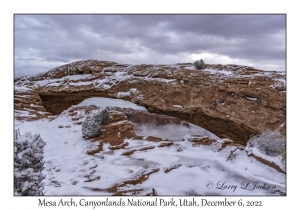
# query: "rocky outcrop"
{"points": [[229, 100], [28, 105]]}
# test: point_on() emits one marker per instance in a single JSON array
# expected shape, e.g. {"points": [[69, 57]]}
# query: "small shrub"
{"points": [[28, 164], [199, 64], [269, 143]]}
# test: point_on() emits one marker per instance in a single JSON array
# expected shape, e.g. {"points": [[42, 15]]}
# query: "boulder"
{"points": [[91, 126]]}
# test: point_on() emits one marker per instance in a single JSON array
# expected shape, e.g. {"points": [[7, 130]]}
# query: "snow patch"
{"points": [[128, 93], [177, 106], [80, 83], [22, 89], [190, 67], [216, 71], [252, 99]]}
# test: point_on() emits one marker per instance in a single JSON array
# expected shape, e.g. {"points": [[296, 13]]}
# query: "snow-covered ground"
{"points": [[171, 131], [180, 169]]}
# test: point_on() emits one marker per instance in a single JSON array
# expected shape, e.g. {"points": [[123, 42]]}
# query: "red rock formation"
{"points": [[229, 100]]}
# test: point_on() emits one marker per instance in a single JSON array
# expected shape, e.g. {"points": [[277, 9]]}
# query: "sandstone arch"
{"points": [[229, 100]]}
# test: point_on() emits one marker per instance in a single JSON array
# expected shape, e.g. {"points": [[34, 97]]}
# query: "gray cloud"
{"points": [[43, 42]]}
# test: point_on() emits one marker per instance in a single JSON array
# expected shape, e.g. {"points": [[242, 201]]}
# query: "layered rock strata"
{"points": [[231, 101]]}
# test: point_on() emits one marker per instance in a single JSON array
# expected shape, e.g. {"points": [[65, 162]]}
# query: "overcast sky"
{"points": [[43, 42]]}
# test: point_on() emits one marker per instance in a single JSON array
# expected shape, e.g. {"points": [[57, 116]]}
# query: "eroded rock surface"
{"points": [[229, 100]]}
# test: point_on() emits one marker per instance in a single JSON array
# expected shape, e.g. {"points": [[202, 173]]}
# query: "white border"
{"points": [[8, 8]]}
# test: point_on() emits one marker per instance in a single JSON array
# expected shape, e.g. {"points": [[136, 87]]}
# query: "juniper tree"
{"points": [[28, 164], [199, 64]]}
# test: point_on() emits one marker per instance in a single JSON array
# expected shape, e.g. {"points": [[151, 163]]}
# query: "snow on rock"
{"points": [[123, 94], [252, 99], [190, 67], [215, 71], [177, 106], [91, 126], [80, 83], [22, 89], [128, 93]]}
